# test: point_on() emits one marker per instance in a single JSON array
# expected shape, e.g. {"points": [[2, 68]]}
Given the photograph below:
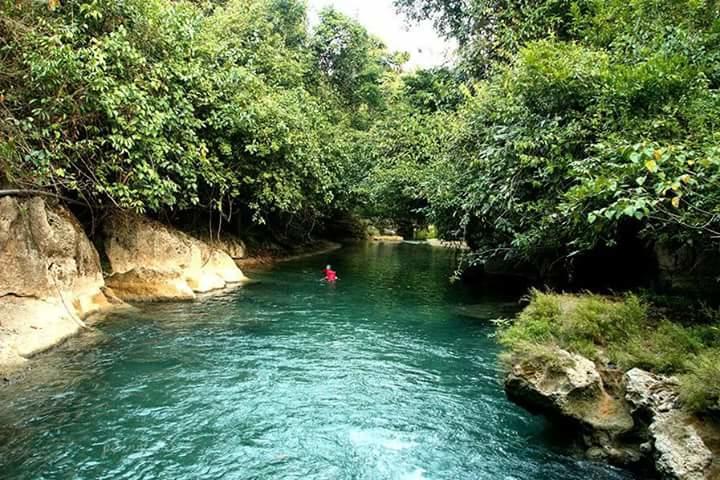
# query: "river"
{"points": [[376, 377]]}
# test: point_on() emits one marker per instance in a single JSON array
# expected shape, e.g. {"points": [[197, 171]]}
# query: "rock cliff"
{"points": [[50, 277], [150, 261]]}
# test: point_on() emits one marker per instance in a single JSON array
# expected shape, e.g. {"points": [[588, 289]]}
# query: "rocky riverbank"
{"points": [[631, 419], [263, 257], [52, 279], [627, 416], [150, 261]]}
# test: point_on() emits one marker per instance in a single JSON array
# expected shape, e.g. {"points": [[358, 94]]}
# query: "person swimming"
{"points": [[330, 274]]}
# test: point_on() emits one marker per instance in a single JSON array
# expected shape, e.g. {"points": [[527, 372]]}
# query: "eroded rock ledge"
{"points": [[50, 278], [150, 261], [631, 419]]}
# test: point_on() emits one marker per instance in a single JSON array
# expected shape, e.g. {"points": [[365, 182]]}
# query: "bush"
{"points": [[585, 324], [700, 387], [535, 324], [427, 233], [662, 348]]}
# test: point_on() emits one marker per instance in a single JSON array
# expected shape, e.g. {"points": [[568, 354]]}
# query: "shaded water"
{"points": [[378, 377]]}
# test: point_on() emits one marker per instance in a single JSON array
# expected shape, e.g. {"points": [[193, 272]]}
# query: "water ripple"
{"points": [[288, 378]]}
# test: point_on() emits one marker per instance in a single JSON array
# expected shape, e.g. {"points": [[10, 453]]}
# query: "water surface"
{"points": [[377, 377]]}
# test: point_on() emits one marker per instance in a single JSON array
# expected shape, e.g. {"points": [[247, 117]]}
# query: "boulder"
{"points": [[204, 280], [678, 448], [168, 262], [224, 267], [650, 393], [568, 386], [50, 277], [632, 418], [680, 453]]}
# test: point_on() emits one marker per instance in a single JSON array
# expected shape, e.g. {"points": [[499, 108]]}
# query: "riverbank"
{"points": [[638, 390], [52, 278], [55, 281], [264, 257]]}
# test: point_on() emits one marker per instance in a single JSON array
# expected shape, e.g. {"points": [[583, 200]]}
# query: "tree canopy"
{"points": [[563, 124], [157, 105], [584, 118]]}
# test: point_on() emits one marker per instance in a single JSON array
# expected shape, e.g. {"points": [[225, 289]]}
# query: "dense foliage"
{"points": [[583, 122], [492, 31], [564, 123], [399, 150], [158, 105]]}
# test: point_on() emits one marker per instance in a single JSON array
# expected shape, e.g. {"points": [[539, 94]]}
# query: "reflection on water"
{"points": [[378, 377]]}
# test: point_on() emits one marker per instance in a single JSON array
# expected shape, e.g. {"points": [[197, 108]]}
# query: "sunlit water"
{"points": [[378, 377]]}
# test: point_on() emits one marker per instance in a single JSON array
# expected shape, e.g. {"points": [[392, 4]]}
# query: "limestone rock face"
{"points": [[569, 386], [233, 246], [142, 284], [136, 242], [679, 451], [224, 267], [169, 263], [652, 393], [203, 281], [44, 250], [684, 267], [50, 277], [633, 418]]}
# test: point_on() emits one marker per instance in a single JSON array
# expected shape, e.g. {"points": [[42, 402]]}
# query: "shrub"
{"points": [[535, 323], [426, 233], [663, 348], [700, 387], [584, 324]]}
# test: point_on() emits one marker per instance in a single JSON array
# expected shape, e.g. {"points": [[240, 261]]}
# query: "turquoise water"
{"points": [[377, 377]]}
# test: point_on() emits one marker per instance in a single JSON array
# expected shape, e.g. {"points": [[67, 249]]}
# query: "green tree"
{"points": [[491, 31], [350, 59]]}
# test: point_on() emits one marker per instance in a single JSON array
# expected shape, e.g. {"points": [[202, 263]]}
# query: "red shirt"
{"points": [[330, 275]]}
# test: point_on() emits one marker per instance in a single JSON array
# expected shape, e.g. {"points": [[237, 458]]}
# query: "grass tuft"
{"points": [[700, 386]]}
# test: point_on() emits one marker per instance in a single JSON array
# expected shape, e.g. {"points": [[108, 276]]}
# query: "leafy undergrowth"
{"points": [[628, 332]]}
